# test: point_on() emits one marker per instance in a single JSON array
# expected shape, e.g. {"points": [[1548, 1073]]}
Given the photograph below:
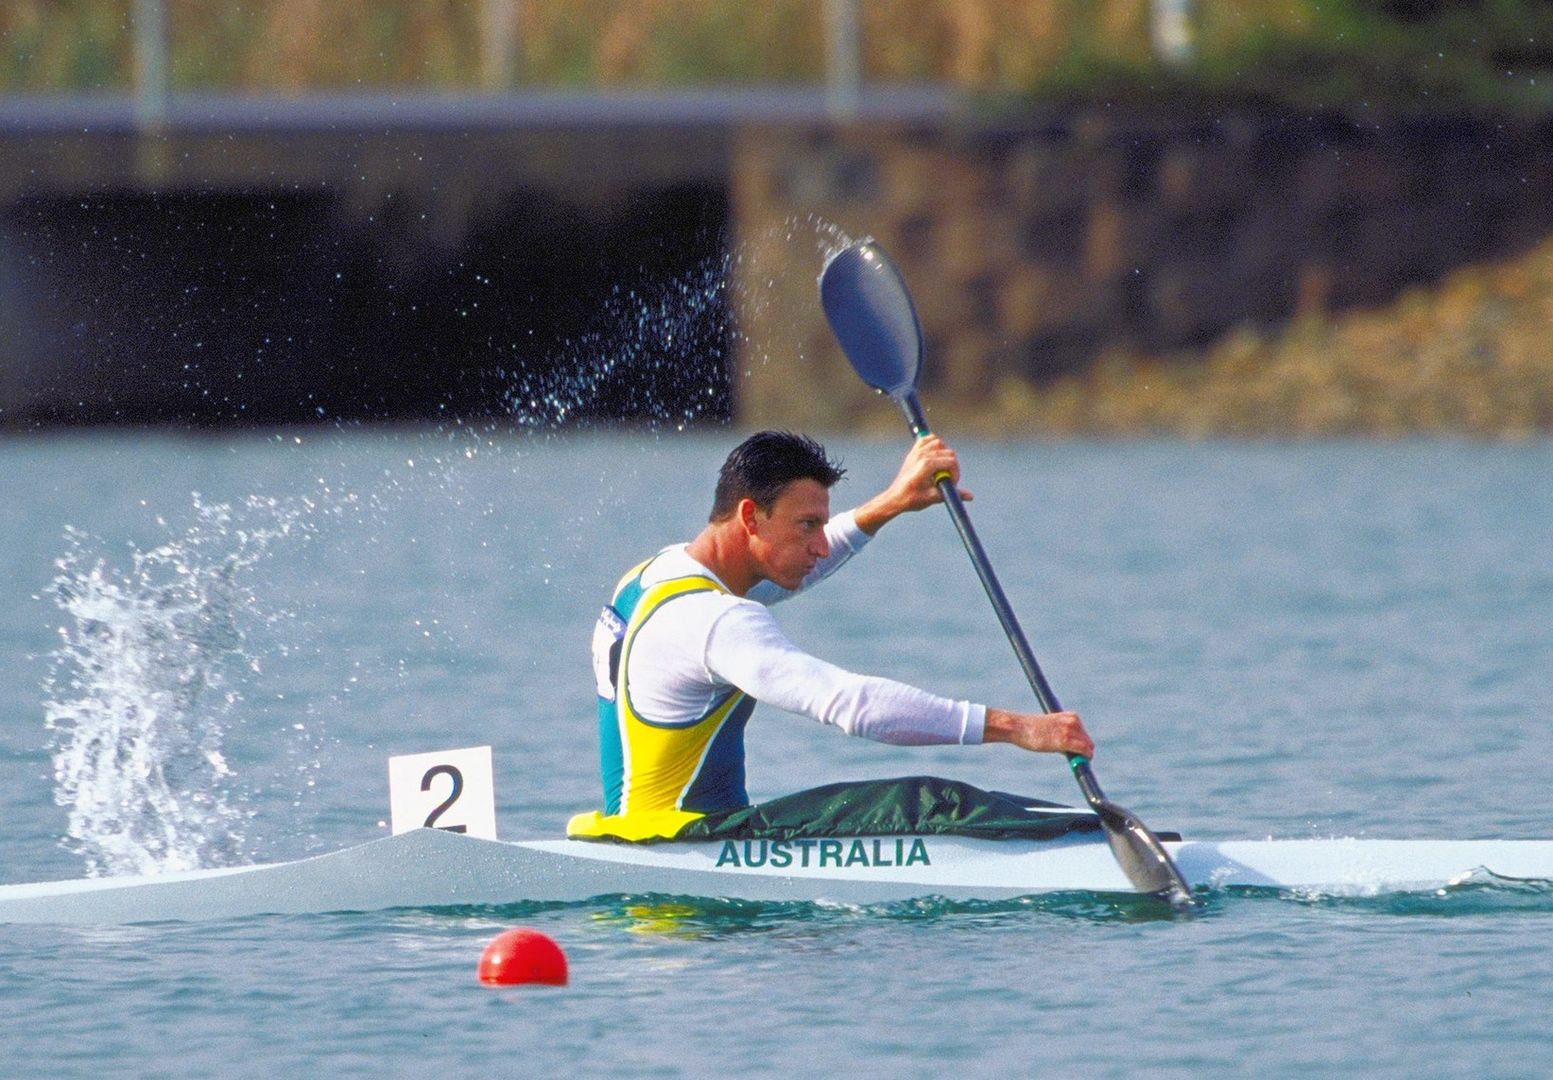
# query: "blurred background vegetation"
{"points": [[1413, 54]]}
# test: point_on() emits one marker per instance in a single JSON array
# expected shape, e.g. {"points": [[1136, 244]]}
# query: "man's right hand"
{"points": [[915, 487], [1051, 733]]}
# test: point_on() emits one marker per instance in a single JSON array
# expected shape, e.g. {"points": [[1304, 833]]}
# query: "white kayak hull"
{"points": [[429, 868]]}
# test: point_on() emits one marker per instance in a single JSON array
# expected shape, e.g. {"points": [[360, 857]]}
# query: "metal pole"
{"points": [[1170, 26], [844, 61], [150, 27], [499, 44]]}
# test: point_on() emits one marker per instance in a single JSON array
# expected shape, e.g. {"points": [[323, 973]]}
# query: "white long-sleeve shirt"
{"points": [[693, 650]]}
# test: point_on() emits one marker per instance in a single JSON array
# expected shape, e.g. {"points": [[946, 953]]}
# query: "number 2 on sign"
{"points": [[450, 791], [452, 773]]}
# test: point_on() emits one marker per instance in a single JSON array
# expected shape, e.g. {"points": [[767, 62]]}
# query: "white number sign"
{"points": [[449, 789]]}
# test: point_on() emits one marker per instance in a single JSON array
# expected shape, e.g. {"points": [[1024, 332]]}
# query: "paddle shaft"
{"points": [[870, 309], [1085, 776]]}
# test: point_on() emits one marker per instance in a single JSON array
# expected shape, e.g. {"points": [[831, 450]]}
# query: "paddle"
{"points": [[871, 313]]}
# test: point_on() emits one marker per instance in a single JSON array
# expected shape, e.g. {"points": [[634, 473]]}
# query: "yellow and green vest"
{"points": [[659, 776]]}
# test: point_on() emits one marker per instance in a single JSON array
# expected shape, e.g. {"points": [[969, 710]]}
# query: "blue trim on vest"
{"points": [[719, 784], [612, 759]]}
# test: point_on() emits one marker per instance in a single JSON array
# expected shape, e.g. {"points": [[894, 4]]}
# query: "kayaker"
{"points": [[687, 644]]}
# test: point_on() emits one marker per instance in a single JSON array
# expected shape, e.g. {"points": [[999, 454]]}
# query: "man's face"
{"points": [[787, 542]]}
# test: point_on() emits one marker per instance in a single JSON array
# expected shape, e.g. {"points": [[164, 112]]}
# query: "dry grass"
{"points": [[1472, 357], [290, 45]]}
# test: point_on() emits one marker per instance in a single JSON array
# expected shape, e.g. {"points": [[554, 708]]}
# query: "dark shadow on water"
{"points": [[1480, 894], [700, 917], [686, 916]]}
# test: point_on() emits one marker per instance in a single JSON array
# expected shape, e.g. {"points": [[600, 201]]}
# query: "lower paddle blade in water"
{"points": [[1144, 859]]}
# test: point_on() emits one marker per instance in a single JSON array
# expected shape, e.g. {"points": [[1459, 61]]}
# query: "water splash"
{"points": [[659, 355], [1479, 892], [143, 684], [155, 659], [663, 351], [831, 238]]}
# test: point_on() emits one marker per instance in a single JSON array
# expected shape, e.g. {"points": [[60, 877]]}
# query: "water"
{"points": [[1267, 640]]}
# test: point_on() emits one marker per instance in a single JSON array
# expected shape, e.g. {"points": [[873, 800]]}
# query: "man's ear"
{"points": [[746, 513]]}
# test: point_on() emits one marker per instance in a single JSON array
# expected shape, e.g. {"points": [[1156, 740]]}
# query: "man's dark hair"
{"points": [[765, 463]]}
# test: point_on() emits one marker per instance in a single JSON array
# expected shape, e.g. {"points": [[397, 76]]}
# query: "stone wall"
{"points": [[1034, 249]]}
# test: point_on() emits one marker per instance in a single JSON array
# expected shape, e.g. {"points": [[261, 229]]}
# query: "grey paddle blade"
{"points": [[871, 313], [1143, 858]]}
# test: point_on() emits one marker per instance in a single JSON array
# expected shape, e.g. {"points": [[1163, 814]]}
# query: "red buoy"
{"points": [[523, 956]]}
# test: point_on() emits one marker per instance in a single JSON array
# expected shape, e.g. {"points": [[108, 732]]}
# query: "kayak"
{"points": [[431, 868]]}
